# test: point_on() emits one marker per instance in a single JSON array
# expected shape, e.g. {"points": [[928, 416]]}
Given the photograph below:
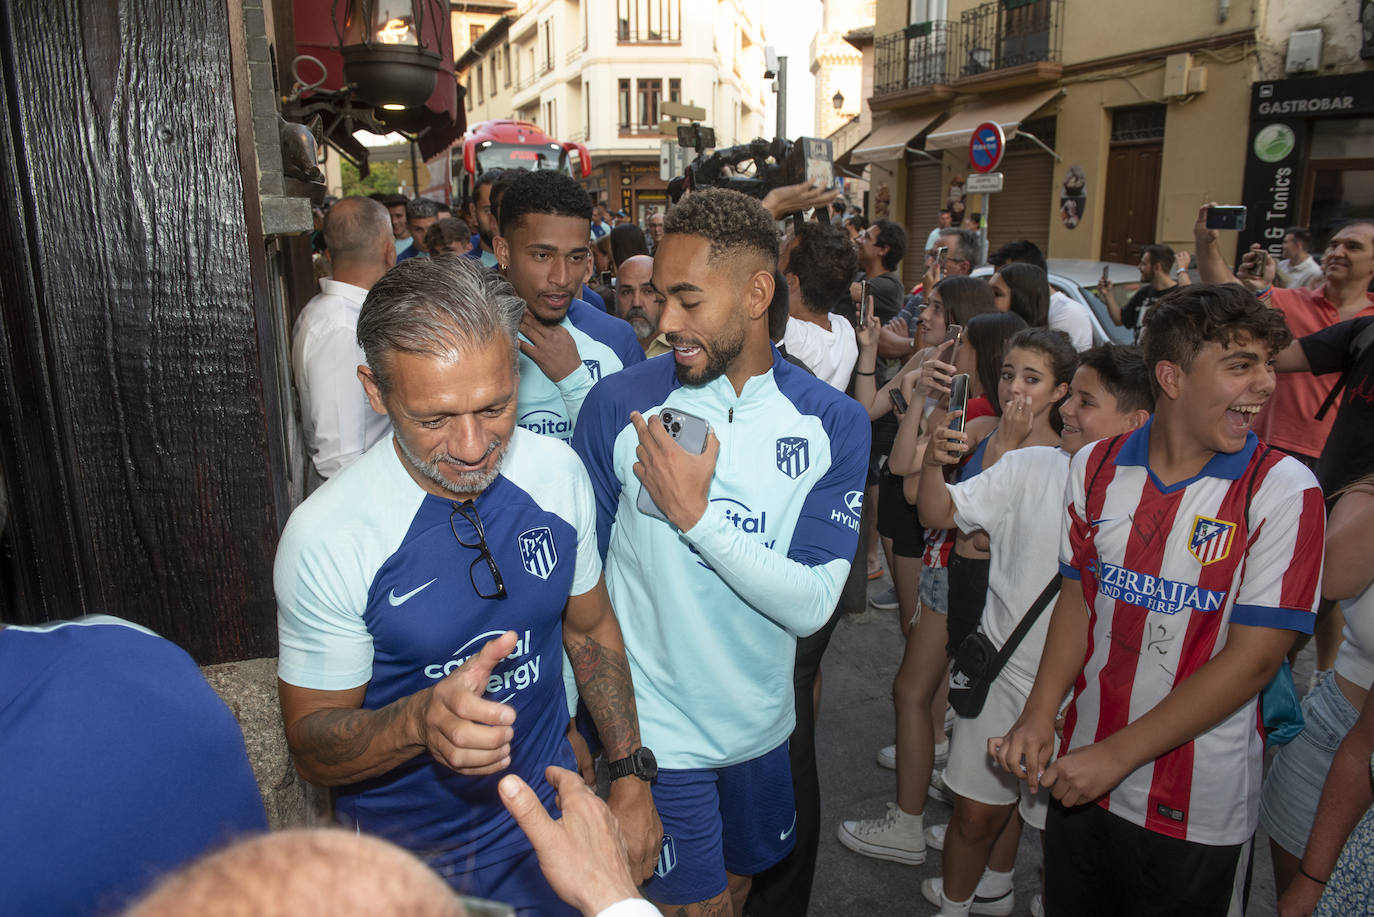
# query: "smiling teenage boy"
{"points": [[1198, 552]]}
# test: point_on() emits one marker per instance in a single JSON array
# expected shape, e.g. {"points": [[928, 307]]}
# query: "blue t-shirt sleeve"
{"points": [[591, 296], [623, 341], [594, 442], [828, 527]]}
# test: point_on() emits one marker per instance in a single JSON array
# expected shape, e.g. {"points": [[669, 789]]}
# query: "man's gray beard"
{"points": [[467, 482], [644, 330]]}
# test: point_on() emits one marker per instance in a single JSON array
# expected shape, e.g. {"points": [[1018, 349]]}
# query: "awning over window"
{"points": [[889, 138], [954, 134]]}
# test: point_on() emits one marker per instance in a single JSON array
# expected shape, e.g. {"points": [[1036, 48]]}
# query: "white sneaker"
{"points": [[887, 756], [996, 905], [938, 789], [896, 837], [935, 836]]}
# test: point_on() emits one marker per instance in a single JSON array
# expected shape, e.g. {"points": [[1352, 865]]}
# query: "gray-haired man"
{"points": [[426, 595]]}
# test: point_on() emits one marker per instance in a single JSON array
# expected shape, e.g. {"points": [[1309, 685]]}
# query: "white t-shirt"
{"points": [[1355, 660], [1073, 318], [829, 354], [1017, 502], [1307, 274]]}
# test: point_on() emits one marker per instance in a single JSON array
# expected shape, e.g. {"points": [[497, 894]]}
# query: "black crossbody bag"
{"points": [[977, 661]]}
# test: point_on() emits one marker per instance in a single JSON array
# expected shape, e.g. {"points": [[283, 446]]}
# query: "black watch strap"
{"points": [[639, 763]]}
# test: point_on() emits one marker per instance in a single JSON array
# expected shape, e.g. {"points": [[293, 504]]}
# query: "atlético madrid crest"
{"points": [[794, 455], [1210, 539], [537, 552]]}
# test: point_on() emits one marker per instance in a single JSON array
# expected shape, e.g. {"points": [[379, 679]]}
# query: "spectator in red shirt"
{"points": [[1288, 420]]}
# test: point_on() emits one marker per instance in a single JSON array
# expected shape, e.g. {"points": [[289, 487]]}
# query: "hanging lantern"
{"points": [[384, 51]]}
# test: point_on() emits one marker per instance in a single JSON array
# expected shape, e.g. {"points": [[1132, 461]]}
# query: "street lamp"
{"points": [[838, 101], [383, 47]]}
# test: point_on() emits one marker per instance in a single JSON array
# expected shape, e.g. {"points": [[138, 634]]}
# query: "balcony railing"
{"points": [[992, 36], [916, 56], [663, 35], [1008, 33], [578, 135], [525, 83]]}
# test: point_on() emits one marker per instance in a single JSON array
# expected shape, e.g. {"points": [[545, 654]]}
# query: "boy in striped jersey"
{"points": [[1199, 552]]}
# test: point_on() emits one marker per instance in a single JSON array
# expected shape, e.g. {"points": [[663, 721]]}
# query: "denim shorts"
{"points": [[934, 590], [1293, 786]]}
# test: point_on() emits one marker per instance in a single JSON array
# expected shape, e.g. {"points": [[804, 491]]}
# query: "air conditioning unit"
{"points": [[1304, 52]]}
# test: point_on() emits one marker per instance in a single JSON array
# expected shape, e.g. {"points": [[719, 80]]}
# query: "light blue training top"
{"points": [[711, 616]]}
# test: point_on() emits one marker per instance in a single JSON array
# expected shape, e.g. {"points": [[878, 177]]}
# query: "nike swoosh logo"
{"points": [[788, 832], [1092, 524], [395, 599]]}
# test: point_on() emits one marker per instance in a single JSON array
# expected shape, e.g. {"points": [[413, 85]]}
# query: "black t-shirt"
{"points": [[1349, 451], [888, 295], [1138, 305]]}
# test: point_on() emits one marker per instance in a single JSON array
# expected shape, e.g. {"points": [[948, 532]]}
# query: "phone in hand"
{"points": [[898, 400], [689, 432], [953, 333], [1229, 217], [958, 401], [865, 304], [941, 256]]}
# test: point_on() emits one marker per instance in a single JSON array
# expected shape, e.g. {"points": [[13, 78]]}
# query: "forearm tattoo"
{"points": [[334, 738], [603, 680]]}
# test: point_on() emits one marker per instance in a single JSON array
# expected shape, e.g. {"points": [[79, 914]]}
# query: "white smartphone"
{"points": [[690, 432]]}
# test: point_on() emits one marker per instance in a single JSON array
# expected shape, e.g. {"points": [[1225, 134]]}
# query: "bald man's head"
{"points": [[636, 300], [355, 228], [304, 872]]}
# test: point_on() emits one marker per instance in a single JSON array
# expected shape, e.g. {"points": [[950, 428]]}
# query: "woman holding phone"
{"points": [[917, 689]]}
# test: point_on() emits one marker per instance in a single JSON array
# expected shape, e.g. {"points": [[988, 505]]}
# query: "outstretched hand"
{"points": [[582, 854], [801, 196], [461, 728]]}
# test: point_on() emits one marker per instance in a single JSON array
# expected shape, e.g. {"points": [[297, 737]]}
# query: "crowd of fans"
{"points": [[584, 497]]}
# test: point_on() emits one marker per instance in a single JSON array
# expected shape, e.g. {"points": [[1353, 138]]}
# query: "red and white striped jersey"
{"points": [[1165, 571]]}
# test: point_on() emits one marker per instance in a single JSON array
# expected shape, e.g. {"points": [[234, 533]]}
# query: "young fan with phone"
{"points": [[917, 688], [1011, 501]]}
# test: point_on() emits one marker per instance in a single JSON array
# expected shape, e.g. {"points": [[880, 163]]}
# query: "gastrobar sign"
{"points": [[1281, 112]]}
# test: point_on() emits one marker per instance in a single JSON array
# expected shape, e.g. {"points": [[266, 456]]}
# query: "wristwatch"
{"points": [[640, 763]]}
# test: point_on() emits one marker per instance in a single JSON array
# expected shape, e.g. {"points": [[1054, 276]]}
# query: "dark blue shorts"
{"points": [[739, 819]]}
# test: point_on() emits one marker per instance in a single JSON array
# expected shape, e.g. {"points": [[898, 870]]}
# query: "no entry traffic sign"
{"points": [[986, 146]]}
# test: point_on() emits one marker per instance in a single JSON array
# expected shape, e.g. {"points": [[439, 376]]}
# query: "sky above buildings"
{"points": [[789, 26]]}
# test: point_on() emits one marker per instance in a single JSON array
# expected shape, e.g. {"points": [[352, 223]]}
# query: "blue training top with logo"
{"points": [[373, 588], [711, 616], [605, 343]]}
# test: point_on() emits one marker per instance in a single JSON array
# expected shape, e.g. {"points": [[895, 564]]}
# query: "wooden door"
{"points": [[140, 421], [1132, 202]]}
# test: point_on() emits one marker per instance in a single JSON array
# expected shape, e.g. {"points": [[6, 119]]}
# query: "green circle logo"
{"points": [[1274, 142]]}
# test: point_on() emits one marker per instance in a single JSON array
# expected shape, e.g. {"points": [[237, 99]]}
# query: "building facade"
{"points": [[597, 72], [1120, 118]]}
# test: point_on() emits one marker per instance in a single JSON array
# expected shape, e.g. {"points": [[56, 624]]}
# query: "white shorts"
{"points": [[972, 772]]}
